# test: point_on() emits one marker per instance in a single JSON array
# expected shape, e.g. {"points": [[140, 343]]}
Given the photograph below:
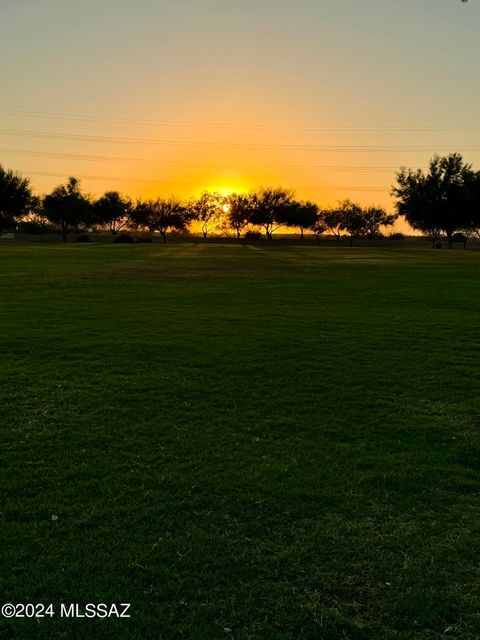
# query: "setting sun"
{"points": [[227, 190]]}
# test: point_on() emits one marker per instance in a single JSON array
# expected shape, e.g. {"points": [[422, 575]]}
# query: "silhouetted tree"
{"points": [[162, 215], [352, 220], [299, 214], [238, 212], [473, 204], [68, 208], [416, 202], [461, 238], [34, 222], [267, 208], [374, 219], [319, 226], [208, 210], [113, 210], [16, 199], [332, 219], [436, 201]]}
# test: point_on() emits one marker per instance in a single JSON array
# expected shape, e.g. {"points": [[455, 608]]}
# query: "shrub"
{"points": [[142, 239], [396, 235], [253, 235], [124, 238], [82, 238], [36, 227]]}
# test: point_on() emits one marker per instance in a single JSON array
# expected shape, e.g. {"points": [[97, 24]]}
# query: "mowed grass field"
{"points": [[254, 442]]}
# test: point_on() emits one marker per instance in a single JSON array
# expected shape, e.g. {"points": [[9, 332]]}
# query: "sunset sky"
{"points": [[153, 97]]}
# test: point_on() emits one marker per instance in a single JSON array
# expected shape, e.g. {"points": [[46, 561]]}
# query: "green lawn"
{"points": [[248, 442]]}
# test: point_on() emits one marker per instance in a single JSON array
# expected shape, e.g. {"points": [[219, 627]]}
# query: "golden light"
{"points": [[225, 190]]}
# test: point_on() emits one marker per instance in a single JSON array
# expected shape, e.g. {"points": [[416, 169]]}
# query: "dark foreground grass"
{"points": [[244, 442]]}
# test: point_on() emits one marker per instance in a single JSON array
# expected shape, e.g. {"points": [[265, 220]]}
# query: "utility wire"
{"points": [[194, 164], [241, 126], [49, 135]]}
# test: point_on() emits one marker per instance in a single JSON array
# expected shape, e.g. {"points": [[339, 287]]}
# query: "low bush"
{"points": [[36, 227], [142, 239], [253, 235], [124, 238], [83, 237]]}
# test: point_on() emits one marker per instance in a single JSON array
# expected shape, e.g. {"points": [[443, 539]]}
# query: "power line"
{"points": [[195, 164], [241, 126], [49, 135]]}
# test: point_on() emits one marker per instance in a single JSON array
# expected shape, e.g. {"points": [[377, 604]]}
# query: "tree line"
{"points": [[445, 200]]}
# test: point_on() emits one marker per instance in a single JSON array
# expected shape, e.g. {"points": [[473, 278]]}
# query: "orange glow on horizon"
{"points": [[225, 190]]}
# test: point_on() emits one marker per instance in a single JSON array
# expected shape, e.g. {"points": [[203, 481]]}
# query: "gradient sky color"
{"points": [[155, 97]]}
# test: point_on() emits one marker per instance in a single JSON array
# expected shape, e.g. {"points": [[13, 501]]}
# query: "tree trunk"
{"points": [[317, 238], [450, 244], [351, 241], [301, 233], [238, 234], [164, 235]]}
